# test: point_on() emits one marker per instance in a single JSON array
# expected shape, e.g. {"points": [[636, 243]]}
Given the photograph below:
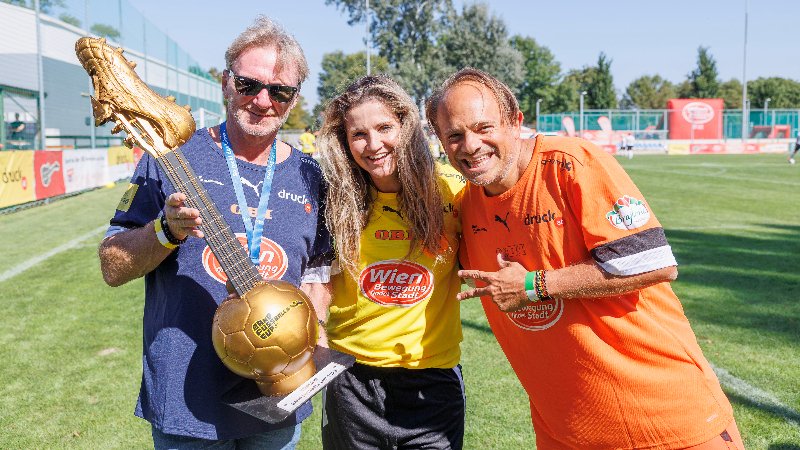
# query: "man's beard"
{"points": [[241, 115], [501, 175]]}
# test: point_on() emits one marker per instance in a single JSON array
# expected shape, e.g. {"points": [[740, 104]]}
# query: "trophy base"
{"points": [[249, 397]]}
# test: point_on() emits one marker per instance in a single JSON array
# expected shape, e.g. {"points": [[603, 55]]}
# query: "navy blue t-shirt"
{"points": [[183, 378]]}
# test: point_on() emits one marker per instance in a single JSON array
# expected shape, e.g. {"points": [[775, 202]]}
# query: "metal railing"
{"points": [[657, 120]]}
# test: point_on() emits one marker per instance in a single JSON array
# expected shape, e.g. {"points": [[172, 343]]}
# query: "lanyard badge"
{"points": [[254, 228]]}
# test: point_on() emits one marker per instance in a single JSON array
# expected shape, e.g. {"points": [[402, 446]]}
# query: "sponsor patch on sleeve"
{"points": [[127, 197], [628, 213]]}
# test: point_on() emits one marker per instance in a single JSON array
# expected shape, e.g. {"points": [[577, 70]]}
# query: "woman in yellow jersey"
{"points": [[391, 211]]}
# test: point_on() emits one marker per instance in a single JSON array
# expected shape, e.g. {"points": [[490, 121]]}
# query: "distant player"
{"points": [[796, 148], [628, 141]]}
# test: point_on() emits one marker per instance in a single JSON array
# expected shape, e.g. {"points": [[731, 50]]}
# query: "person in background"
{"points": [[16, 128], [796, 148], [16, 135], [394, 220], [307, 140], [573, 271]]}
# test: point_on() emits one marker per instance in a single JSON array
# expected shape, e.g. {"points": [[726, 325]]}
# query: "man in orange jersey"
{"points": [[573, 272]]}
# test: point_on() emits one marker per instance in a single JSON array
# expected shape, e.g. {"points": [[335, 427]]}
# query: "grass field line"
{"points": [[757, 397], [712, 175], [11, 273]]}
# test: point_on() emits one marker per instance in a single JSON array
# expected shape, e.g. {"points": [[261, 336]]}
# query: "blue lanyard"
{"points": [[254, 232]]}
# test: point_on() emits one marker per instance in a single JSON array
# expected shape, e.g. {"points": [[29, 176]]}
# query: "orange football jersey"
{"points": [[614, 372]]}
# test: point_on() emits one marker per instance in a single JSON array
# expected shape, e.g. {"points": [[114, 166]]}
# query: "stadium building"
{"points": [[42, 82]]}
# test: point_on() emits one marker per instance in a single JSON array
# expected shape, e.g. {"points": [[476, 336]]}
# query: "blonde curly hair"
{"points": [[351, 192]]}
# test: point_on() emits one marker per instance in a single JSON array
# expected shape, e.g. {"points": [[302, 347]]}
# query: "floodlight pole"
{"points": [[92, 133], [42, 128], [538, 101], [366, 39], [766, 108], [744, 82], [580, 115]]}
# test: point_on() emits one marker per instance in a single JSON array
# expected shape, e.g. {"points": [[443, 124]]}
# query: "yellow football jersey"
{"points": [[401, 312]]}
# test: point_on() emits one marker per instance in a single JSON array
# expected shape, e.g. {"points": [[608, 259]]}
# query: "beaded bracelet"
{"points": [[535, 286], [163, 233]]}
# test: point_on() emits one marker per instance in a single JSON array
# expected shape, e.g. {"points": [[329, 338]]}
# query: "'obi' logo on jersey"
{"points": [[628, 213], [538, 316], [272, 261], [393, 235], [396, 283]]}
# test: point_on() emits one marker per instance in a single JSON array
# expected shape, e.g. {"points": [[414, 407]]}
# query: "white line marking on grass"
{"points": [[758, 398], [45, 256]]}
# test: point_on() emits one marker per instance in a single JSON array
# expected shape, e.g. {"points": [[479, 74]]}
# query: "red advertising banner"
{"points": [[49, 170], [695, 118]]}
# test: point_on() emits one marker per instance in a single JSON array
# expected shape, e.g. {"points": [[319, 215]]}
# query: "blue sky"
{"points": [[641, 37]]}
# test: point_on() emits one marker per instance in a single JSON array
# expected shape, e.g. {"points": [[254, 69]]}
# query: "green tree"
{"points": [[215, 73], [22, 3], [704, 79], [106, 31], [566, 95], [782, 92], [46, 6], [648, 92], [596, 81], [70, 19], [601, 94], [583, 81], [684, 89], [340, 69], [477, 38], [298, 118], [540, 76], [731, 93], [406, 34]]}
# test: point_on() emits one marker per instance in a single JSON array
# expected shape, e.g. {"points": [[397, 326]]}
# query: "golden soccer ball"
{"points": [[268, 335]]}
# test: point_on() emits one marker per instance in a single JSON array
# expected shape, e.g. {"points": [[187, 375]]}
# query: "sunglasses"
{"points": [[281, 93]]}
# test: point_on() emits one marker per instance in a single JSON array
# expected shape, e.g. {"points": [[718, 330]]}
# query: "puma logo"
{"points": [[246, 182], [390, 209], [503, 221]]}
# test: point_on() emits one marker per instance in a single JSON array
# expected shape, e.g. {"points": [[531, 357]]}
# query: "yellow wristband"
{"points": [[162, 238]]}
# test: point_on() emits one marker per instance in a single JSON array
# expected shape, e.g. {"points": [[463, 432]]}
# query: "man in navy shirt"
{"points": [[256, 182]]}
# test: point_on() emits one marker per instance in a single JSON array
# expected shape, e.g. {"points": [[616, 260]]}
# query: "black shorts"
{"points": [[394, 408]]}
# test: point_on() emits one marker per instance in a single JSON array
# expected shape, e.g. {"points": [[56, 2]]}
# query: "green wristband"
{"points": [[530, 280]]}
